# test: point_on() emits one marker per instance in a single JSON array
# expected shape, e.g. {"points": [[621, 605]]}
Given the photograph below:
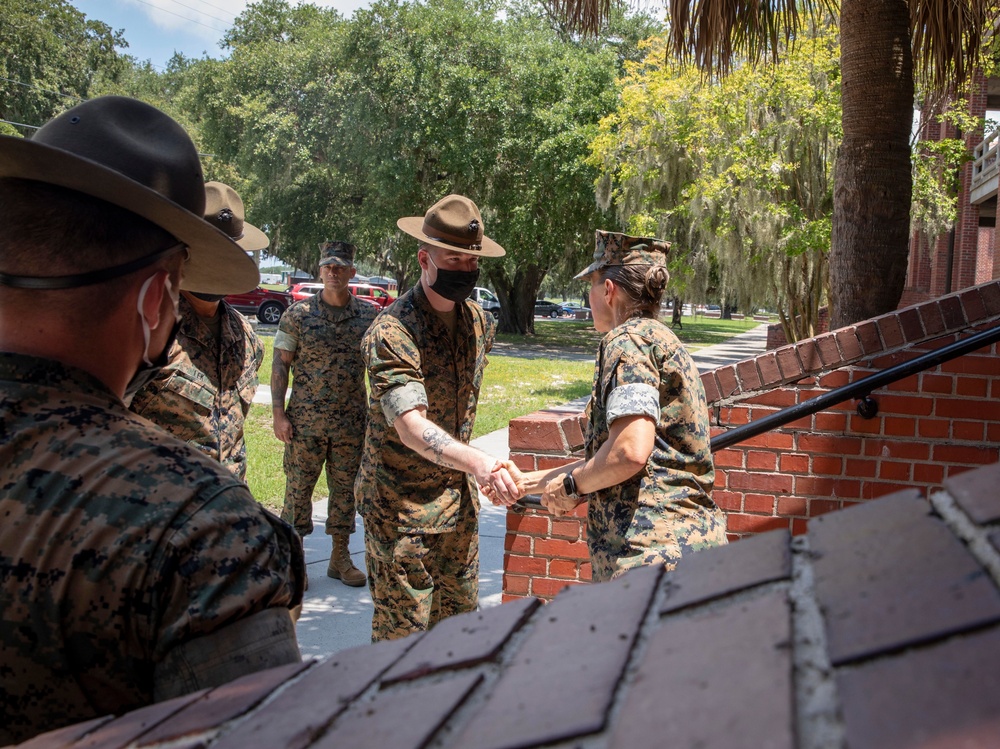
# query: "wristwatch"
{"points": [[569, 485]]}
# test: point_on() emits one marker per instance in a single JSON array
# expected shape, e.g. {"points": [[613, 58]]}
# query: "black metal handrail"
{"points": [[861, 389]]}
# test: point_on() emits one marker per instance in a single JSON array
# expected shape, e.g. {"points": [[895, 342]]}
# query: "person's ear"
{"points": [[152, 302], [609, 290], [354, 272]]}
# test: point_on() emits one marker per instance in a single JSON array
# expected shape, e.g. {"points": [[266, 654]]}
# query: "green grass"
{"points": [[512, 386], [266, 336], [265, 475], [580, 335]]}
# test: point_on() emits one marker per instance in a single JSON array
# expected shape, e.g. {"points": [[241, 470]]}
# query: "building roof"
{"points": [[878, 628]]}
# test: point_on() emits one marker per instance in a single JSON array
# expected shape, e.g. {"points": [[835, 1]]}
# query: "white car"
{"points": [[487, 300]]}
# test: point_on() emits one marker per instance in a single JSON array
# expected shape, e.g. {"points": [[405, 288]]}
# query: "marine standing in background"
{"points": [[319, 342], [416, 489], [204, 393]]}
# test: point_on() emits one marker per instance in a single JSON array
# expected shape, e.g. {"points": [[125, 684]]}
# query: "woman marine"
{"points": [[648, 472]]}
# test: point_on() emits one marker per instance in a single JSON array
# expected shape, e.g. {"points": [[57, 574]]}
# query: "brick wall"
{"points": [[971, 258], [930, 426], [967, 241], [776, 334]]}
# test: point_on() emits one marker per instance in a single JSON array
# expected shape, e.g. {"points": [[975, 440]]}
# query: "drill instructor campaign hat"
{"points": [[134, 156], [614, 248], [224, 210], [453, 223]]}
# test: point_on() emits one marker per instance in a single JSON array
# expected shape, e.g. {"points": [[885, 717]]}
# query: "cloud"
{"points": [[210, 19]]}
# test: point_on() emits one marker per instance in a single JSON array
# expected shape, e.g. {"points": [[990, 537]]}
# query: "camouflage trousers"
{"points": [[303, 461], [660, 540], [416, 580]]}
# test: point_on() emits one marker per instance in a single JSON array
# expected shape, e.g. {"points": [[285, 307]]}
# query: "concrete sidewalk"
{"points": [[335, 617]]}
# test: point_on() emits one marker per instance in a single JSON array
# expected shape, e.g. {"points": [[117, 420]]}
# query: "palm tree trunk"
{"points": [[873, 183]]}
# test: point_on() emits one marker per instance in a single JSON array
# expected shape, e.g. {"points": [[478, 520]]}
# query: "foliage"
{"points": [[53, 54], [937, 165], [339, 127], [869, 237], [266, 112], [735, 172]]}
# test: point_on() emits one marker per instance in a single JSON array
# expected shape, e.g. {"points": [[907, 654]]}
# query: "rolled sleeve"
{"points": [[399, 400], [633, 400], [285, 341], [287, 337], [394, 368]]}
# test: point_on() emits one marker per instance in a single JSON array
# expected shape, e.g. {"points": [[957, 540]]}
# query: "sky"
{"points": [[155, 29]]}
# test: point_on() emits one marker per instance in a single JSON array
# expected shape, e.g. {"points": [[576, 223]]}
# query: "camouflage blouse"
{"points": [[328, 391], [412, 360], [204, 393], [118, 543], [665, 509]]}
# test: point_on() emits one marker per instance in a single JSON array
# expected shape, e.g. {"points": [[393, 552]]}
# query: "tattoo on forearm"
{"points": [[279, 380], [436, 442]]}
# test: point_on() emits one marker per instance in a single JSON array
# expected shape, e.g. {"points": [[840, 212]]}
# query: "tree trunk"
{"points": [[675, 315], [873, 183], [517, 298]]}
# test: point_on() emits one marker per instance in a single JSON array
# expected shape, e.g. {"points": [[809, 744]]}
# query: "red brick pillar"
{"points": [[965, 260], [996, 238], [986, 255], [543, 554]]}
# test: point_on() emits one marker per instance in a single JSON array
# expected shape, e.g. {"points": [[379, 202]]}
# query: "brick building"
{"points": [[967, 255]]}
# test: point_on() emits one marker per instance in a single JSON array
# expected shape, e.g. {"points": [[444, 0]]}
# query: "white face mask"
{"points": [[167, 287]]}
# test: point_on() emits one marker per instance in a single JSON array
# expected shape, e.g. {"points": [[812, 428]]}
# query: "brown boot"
{"points": [[341, 567]]}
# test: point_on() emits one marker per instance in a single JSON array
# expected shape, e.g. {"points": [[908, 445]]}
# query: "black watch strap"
{"points": [[569, 485]]}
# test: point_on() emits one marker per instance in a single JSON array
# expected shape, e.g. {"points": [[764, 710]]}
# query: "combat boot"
{"points": [[341, 567]]}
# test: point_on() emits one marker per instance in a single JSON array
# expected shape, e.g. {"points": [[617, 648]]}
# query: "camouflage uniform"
{"points": [[421, 520], [118, 543], [204, 393], [326, 407], [665, 510]]}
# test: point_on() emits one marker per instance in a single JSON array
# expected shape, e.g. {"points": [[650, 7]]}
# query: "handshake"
{"points": [[506, 483]]}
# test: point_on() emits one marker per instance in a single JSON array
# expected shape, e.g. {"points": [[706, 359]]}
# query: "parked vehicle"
{"points": [[547, 309], [268, 305], [487, 300], [300, 291], [572, 308], [373, 294]]}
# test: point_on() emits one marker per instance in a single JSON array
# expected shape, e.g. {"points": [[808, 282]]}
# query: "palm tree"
{"points": [[880, 39]]}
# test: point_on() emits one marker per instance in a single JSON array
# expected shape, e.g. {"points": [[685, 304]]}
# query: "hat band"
{"points": [[86, 279], [458, 245], [228, 223], [450, 240]]}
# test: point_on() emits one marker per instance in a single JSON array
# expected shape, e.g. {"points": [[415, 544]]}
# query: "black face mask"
{"points": [[147, 372], [455, 285]]}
